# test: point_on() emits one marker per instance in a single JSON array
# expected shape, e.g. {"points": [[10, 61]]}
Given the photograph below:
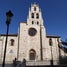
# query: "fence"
{"points": [[24, 63]]}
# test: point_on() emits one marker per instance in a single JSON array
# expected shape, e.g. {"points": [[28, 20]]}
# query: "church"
{"points": [[32, 43]]}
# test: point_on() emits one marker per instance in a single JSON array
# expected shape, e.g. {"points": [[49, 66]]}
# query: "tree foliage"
{"points": [[63, 60]]}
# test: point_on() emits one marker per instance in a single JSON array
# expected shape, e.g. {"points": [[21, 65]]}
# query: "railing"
{"points": [[35, 63], [7, 62], [45, 62]]}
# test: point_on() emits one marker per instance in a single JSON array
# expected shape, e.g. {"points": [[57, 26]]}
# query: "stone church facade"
{"points": [[31, 42]]}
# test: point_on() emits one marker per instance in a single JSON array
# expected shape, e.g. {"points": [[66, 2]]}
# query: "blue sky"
{"points": [[54, 15]]}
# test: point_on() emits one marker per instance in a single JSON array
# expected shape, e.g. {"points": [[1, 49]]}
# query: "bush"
{"points": [[63, 60]]}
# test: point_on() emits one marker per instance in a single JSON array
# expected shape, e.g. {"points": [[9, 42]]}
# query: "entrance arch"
{"points": [[32, 54]]}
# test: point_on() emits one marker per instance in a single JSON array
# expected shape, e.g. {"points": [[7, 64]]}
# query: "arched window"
{"points": [[50, 42], [32, 22], [34, 8], [12, 42], [37, 22], [37, 15], [32, 15], [32, 54]]}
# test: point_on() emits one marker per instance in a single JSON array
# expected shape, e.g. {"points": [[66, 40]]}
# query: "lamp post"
{"points": [[8, 20]]}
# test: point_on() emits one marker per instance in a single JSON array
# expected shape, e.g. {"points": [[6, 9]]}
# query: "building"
{"points": [[31, 42]]}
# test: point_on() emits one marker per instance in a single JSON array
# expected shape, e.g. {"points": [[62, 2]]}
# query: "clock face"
{"points": [[32, 31]]}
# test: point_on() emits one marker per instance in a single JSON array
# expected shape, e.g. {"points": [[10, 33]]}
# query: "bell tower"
{"points": [[35, 15], [32, 36]]}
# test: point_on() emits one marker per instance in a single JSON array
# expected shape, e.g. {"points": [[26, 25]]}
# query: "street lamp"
{"points": [[8, 20]]}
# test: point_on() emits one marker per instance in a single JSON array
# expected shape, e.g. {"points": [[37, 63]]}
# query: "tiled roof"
{"points": [[9, 35], [52, 36]]}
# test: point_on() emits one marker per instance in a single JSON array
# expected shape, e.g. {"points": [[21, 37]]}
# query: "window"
{"points": [[32, 15], [32, 54], [37, 15], [32, 22], [37, 22], [34, 8], [12, 42], [32, 31], [50, 42]]}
